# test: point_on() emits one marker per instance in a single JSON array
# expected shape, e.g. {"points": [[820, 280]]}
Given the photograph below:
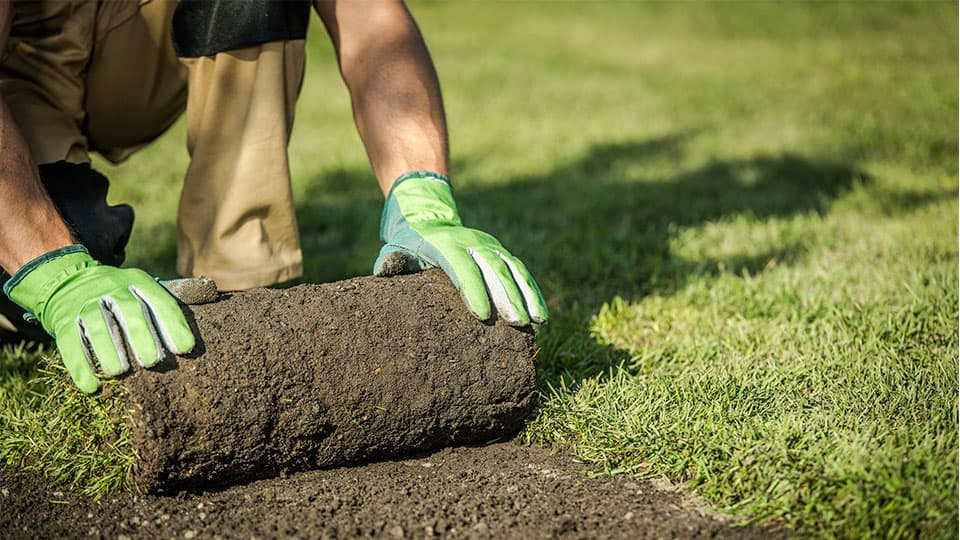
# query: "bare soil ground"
{"points": [[502, 490]]}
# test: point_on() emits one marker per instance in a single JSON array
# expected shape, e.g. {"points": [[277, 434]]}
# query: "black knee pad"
{"points": [[80, 194], [207, 27]]}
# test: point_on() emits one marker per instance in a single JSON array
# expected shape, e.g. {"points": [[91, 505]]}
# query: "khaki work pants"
{"points": [[89, 75]]}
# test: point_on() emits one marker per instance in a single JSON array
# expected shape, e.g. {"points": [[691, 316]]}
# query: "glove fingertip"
{"points": [[189, 343], [535, 307], [85, 380], [169, 324], [88, 388], [519, 317], [76, 359], [480, 310], [544, 313], [540, 314], [148, 361], [183, 343]]}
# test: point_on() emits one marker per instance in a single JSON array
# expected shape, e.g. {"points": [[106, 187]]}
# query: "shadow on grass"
{"points": [[598, 227], [593, 228]]}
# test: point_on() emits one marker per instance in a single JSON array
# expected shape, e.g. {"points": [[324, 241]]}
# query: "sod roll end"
{"points": [[318, 376]]}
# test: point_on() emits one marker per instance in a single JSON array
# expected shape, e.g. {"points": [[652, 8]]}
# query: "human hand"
{"points": [[421, 229], [100, 314]]}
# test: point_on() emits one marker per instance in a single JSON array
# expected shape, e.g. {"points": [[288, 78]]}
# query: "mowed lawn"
{"points": [[743, 217]]}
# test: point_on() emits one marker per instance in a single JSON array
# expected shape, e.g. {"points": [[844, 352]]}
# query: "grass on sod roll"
{"points": [[46, 424], [743, 217]]}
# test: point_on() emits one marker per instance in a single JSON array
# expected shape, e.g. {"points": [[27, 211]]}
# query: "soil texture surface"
{"points": [[502, 490], [318, 376]]}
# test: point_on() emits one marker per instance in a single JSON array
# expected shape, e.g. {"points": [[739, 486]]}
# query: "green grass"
{"points": [[743, 217], [46, 424]]}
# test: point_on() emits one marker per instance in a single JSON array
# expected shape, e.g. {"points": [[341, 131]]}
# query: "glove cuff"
{"points": [[418, 197], [419, 174], [36, 281]]}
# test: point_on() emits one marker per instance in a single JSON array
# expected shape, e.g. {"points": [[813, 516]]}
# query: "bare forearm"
{"points": [[29, 222], [396, 97]]}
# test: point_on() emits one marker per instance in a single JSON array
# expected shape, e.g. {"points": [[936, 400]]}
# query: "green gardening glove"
{"points": [[99, 314], [421, 229]]}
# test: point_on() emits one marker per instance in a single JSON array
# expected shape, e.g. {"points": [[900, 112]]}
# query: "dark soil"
{"points": [[324, 375], [498, 491]]}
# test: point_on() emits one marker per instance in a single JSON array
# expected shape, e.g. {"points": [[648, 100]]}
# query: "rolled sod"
{"points": [[318, 376]]}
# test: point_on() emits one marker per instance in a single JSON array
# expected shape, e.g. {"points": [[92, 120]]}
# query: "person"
{"points": [[110, 76]]}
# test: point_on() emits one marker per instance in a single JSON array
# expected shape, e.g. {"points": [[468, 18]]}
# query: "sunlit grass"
{"points": [[821, 394], [48, 425]]}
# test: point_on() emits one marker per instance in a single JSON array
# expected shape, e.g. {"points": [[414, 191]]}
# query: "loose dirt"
{"points": [[502, 490]]}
